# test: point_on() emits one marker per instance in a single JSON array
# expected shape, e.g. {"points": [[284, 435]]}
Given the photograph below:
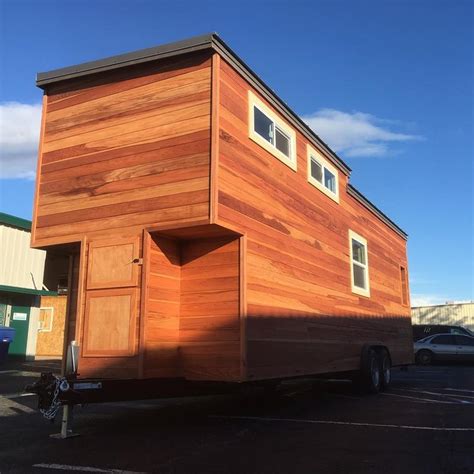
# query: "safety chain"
{"points": [[60, 385]]}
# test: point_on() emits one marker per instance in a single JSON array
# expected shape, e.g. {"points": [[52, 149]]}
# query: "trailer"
{"points": [[213, 238]]}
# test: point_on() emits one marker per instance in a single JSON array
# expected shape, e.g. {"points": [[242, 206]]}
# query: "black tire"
{"points": [[385, 369], [424, 357], [370, 379]]}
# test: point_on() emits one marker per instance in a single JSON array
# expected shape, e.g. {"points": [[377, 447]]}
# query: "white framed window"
{"points": [[271, 133], [359, 264], [46, 319], [322, 174]]}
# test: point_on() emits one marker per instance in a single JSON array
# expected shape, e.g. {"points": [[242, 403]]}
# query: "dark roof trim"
{"points": [[198, 43], [363, 200], [14, 221], [122, 60], [26, 291]]}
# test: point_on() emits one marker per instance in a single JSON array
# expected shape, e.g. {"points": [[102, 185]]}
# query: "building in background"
{"points": [[22, 277], [452, 313]]}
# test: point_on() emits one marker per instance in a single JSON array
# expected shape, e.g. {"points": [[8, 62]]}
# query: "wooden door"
{"points": [[111, 299]]}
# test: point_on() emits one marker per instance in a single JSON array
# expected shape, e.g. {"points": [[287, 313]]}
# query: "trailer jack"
{"points": [[66, 424]]}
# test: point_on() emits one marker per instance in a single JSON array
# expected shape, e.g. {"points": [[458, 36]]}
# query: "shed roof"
{"points": [[210, 41]]}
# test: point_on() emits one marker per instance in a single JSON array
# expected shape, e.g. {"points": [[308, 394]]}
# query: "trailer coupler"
{"points": [[53, 391]]}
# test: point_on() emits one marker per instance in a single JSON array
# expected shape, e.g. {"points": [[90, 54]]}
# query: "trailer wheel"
{"points": [[424, 357], [370, 377], [385, 369]]}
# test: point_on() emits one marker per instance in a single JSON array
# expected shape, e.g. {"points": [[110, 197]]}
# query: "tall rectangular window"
{"points": [[322, 174], [359, 264], [404, 280], [271, 133]]}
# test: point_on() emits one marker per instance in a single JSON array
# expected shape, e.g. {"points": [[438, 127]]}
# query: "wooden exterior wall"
{"points": [[192, 325], [162, 310], [241, 268], [209, 330], [125, 150], [301, 315]]}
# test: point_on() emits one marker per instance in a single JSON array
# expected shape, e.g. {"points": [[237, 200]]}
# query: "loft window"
{"points": [[322, 174], [359, 264], [266, 129]]}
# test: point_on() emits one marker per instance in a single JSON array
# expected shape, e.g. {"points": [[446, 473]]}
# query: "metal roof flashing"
{"points": [[122, 60], [14, 221]]}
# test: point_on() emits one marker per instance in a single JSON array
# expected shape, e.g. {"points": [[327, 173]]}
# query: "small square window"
{"points": [[270, 132], [322, 174]]}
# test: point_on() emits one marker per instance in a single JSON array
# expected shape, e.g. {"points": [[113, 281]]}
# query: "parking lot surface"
{"points": [[424, 424]]}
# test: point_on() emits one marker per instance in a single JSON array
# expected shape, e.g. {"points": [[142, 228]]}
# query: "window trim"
{"points": [[312, 153], [356, 289], [49, 328], [254, 101]]}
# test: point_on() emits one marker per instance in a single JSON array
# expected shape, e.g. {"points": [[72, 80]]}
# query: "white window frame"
{"points": [[311, 153], [254, 101], [50, 328], [356, 289]]}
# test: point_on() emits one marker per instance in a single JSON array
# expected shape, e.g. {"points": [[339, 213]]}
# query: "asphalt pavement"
{"points": [[423, 424]]}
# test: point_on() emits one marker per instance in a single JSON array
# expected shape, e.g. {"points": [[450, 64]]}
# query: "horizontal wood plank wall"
{"points": [[302, 316], [125, 150], [161, 336], [209, 330]]}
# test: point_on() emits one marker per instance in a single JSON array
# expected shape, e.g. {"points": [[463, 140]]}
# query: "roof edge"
{"points": [[352, 191], [195, 43], [13, 221], [27, 291]]}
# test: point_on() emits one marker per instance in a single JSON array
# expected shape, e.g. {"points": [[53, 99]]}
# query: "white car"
{"points": [[444, 347]]}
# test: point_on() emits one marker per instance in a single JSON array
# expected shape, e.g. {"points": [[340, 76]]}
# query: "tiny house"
{"points": [[211, 234]]}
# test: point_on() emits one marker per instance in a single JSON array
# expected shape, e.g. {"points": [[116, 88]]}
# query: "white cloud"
{"points": [[420, 299], [19, 137], [356, 134]]}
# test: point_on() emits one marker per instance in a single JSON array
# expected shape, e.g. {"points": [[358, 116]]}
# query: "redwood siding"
{"points": [[246, 266], [302, 316], [161, 336], [124, 151], [209, 328]]}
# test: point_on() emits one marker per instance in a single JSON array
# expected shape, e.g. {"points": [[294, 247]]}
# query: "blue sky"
{"points": [[389, 84]]}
